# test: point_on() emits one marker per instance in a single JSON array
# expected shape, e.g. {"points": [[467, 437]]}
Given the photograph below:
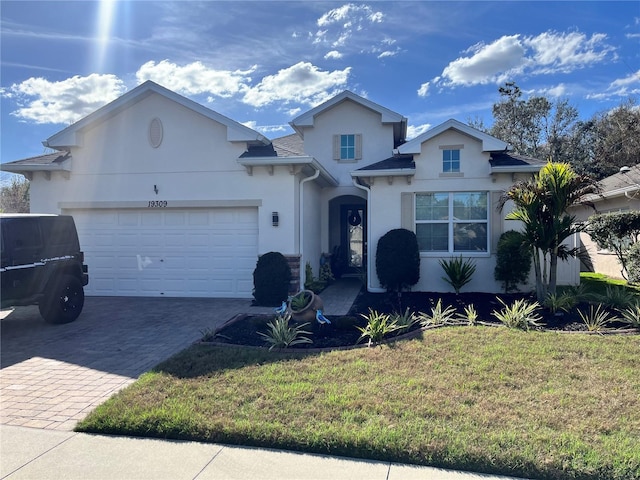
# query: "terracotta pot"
{"points": [[308, 313]]}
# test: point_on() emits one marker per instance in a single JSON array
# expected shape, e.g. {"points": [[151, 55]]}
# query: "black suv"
{"points": [[42, 264]]}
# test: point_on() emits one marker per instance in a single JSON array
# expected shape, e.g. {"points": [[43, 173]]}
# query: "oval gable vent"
{"points": [[155, 133]]}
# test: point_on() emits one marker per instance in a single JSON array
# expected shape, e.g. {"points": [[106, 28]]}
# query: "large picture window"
{"points": [[451, 222]]}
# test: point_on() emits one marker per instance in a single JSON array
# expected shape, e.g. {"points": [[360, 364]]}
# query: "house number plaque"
{"points": [[157, 204]]}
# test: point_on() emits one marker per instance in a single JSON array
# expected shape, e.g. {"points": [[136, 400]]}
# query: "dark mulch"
{"points": [[343, 331]]}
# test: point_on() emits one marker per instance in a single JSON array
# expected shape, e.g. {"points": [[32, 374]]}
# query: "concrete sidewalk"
{"points": [[28, 453]]}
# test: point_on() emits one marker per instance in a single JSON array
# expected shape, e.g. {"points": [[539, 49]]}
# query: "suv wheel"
{"points": [[64, 300]]}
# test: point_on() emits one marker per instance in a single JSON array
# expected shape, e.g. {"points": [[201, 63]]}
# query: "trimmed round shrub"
{"points": [[398, 259], [513, 262], [271, 279]]}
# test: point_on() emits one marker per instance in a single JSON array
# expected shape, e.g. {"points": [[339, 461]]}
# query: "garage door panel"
{"points": [[200, 252]]}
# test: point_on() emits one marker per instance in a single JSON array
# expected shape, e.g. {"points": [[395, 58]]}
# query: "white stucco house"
{"points": [[173, 199], [620, 192]]}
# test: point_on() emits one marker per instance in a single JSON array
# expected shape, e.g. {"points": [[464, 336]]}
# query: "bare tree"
{"points": [[14, 197]]}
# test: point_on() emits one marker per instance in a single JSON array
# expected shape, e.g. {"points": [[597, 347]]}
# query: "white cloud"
{"points": [[388, 53], [621, 87], [559, 90], [512, 55], [195, 78], [301, 83], [333, 54], [265, 129], [565, 52], [489, 63], [423, 91], [41, 101], [348, 26], [414, 130]]}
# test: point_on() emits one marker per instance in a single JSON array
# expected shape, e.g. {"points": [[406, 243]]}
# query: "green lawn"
{"points": [[485, 399]]}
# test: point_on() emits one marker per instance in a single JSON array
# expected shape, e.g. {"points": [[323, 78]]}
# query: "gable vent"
{"points": [[155, 133]]}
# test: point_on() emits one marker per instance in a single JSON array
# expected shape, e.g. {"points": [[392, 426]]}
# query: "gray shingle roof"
{"points": [[283, 147], [508, 159], [397, 162], [48, 159], [621, 180]]}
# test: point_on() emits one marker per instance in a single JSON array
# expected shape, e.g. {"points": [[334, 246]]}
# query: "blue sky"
{"points": [[262, 63]]}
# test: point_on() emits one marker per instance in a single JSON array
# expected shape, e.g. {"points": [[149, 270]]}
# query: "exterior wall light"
{"points": [[275, 219]]}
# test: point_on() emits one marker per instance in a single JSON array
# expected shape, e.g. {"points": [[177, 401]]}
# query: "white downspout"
{"points": [[370, 257], [301, 224]]}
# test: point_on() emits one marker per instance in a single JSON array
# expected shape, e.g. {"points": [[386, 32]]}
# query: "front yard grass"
{"points": [[494, 400]]}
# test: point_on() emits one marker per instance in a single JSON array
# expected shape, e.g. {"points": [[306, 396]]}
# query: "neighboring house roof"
{"points": [[307, 119], [69, 137], [624, 183], [512, 162], [50, 162], [489, 143]]}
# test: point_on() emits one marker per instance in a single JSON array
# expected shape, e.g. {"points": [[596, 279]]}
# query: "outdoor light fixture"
{"points": [[275, 219], [155, 189]]}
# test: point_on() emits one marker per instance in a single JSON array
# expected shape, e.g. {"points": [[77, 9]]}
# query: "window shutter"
{"points": [[336, 147], [496, 218], [406, 214], [358, 146]]}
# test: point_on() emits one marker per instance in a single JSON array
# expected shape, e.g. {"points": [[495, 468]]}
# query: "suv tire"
{"points": [[64, 300]]}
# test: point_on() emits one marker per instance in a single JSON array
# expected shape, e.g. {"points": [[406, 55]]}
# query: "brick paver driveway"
{"points": [[51, 376]]}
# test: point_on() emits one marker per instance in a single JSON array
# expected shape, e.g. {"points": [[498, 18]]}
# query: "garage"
{"points": [[195, 252]]}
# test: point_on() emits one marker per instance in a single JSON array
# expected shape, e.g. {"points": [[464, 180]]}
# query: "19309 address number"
{"points": [[157, 204]]}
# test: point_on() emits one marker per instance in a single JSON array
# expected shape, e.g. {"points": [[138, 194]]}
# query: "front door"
{"points": [[353, 221]]}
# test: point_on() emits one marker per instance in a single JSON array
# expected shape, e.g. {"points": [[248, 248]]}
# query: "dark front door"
{"points": [[353, 224]]}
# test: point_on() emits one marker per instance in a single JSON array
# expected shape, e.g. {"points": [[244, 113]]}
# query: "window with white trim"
{"points": [[452, 222], [451, 160]]}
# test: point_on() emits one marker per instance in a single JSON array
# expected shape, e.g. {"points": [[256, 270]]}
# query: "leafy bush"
{"points": [[398, 259], [378, 326], [458, 272], [618, 232], [281, 335], [271, 279], [633, 263], [513, 262], [300, 300], [521, 314]]}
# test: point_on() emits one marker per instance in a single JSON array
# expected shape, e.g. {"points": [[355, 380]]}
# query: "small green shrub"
{"points": [[281, 335], [405, 320], [563, 301], [300, 300], [513, 260], [617, 297], [596, 320], [378, 326], [470, 315], [398, 260], [521, 314], [271, 279], [438, 316], [631, 315], [459, 272]]}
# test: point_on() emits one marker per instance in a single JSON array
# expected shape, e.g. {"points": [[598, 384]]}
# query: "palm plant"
{"points": [[541, 204], [521, 314], [458, 272], [378, 325]]}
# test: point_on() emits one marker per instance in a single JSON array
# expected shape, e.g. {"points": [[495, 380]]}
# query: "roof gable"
{"points": [[489, 143], [69, 136], [307, 119]]}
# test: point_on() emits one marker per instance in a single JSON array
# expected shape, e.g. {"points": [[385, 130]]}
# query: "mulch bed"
{"points": [[342, 331]]}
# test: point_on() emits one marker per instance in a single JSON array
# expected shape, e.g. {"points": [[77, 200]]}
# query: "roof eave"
{"points": [[295, 164], [517, 169], [391, 172]]}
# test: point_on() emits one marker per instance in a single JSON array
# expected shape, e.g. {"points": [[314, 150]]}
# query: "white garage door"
{"points": [[169, 252]]}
